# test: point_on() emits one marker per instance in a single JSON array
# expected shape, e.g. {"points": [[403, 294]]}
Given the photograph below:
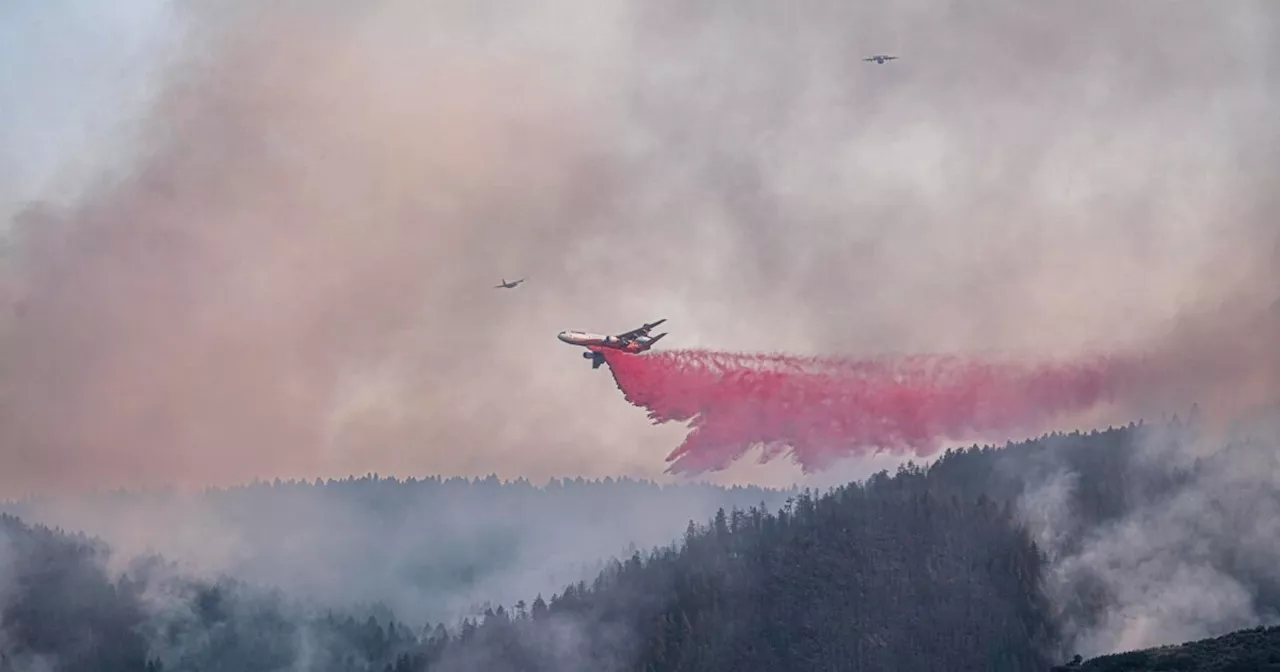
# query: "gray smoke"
{"points": [[289, 271], [1191, 559]]}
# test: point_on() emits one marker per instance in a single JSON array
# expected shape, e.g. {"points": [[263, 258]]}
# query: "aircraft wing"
{"points": [[640, 331]]}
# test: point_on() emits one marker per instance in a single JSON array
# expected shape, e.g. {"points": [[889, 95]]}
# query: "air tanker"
{"points": [[635, 341]]}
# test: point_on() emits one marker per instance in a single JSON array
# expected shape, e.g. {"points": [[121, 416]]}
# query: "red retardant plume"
{"points": [[824, 409]]}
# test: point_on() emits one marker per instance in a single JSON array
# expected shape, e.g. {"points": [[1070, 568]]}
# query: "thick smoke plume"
{"points": [[279, 261], [825, 409], [1187, 548]]}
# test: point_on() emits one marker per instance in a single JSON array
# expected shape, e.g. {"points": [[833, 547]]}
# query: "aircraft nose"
{"points": [[564, 336]]}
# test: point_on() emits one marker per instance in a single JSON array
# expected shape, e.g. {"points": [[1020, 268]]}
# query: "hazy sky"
{"points": [[260, 240]]}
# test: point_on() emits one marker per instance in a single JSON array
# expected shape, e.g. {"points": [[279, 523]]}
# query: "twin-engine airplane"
{"points": [[634, 341]]}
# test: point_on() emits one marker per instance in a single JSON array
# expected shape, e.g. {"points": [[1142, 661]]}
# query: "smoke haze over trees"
{"points": [[1012, 558], [429, 549]]}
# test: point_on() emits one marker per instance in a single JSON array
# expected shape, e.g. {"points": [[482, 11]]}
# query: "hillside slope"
{"points": [[894, 574], [1251, 650]]}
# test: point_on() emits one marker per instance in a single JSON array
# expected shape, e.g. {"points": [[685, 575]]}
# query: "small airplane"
{"points": [[508, 285], [635, 341], [880, 58]]}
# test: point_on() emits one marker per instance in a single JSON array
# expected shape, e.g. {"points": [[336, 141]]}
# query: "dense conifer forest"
{"points": [[937, 568]]}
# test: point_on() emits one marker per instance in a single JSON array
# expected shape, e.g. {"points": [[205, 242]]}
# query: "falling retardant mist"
{"points": [[822, 409]]}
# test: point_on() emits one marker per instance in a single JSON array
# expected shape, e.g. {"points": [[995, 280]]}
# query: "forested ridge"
{"points": [[924, 569]]}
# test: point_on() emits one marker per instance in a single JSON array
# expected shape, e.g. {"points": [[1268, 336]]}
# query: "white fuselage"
{"points": [[587, 339]]}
